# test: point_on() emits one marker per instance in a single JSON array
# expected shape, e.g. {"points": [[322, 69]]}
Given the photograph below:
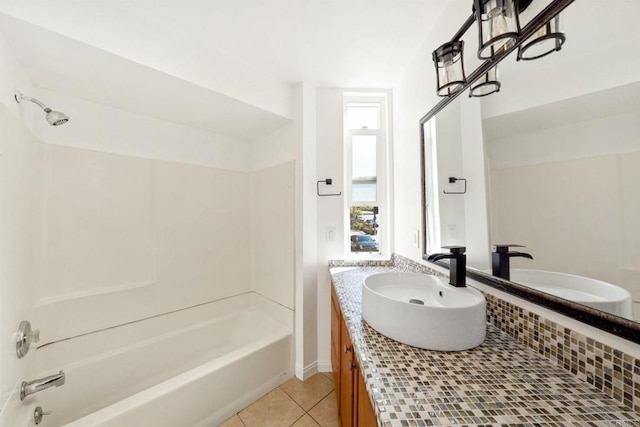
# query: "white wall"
{"points": [[601, 136], [307, 365], [331, 210], [475, 170], [448, 152]]}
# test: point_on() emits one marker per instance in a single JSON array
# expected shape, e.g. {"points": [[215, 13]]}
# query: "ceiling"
{"points": [[224, 66]]}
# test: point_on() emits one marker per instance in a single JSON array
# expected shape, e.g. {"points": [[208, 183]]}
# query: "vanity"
{"points": [[382, 382]]}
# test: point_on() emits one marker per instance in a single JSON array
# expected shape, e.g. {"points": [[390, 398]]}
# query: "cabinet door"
{"points": [[347, 370], [366, 415], [336, 319]]}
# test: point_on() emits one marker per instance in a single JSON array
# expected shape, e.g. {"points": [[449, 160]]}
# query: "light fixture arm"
{"points": [[548, 13], [465, 27]]}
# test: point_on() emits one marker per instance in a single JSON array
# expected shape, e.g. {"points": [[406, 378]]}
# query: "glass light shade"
{"points": [[498, 26], [449, 68], [486, 85], [546, 40]]}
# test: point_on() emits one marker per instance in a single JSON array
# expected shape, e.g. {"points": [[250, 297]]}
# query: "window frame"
{"points": [[382, 173]]}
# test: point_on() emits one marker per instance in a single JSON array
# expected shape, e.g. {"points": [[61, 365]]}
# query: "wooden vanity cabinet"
{"points": [[366, 414], [354, 406], [347, 370], [336, 320]]}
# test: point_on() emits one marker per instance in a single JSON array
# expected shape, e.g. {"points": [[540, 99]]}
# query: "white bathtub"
{"points": [[195, 367], [594, 293]]}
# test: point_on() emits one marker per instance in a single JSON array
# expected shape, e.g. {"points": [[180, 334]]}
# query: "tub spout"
{"points": [[31, 387]]}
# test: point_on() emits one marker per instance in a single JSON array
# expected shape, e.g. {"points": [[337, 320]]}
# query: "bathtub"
{"points": [[593, 293], [193, 367]]}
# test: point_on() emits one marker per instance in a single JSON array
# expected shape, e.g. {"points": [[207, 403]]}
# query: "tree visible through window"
{"points": [[364, 228]]}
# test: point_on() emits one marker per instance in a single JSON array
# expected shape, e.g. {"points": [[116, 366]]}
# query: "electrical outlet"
{"points": [[415, 238]]}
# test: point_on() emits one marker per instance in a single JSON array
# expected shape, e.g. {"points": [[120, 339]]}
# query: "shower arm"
{"points": [[19, 96]]}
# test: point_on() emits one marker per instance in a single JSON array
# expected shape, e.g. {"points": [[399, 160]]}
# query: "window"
{"points": [[366, 136]]}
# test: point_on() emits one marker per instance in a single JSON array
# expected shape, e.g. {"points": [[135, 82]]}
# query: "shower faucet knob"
{"points": [[25, 337]]}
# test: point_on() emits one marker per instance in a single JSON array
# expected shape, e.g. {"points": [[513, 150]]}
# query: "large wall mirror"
{"points": [[559, 163]]}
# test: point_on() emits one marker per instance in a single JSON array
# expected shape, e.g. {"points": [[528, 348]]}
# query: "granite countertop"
{"points": [[499, 383]]}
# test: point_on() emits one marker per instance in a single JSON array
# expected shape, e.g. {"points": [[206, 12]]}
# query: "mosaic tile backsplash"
{"points": [[609, 370], [502, 382]]}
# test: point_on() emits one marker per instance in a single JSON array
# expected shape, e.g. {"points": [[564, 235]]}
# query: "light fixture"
{"points": [[498, 26], [499, 35], [546, 40], [449, 68], [55, 118], [486, 85]]}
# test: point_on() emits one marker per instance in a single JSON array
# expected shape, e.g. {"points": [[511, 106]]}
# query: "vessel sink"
{"points": [[424, 311], [594, 293]]}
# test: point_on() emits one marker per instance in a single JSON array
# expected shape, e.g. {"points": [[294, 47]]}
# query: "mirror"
{"points": [[561, 147]]}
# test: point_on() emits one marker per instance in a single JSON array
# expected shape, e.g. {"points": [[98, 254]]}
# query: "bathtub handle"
{"points": [[347, 348]]}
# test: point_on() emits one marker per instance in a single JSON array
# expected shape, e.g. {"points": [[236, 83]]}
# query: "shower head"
{"points": [[55, 118]]}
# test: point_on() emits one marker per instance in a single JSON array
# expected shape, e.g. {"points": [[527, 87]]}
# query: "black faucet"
{"points": [[500, 259], [457, 265]]}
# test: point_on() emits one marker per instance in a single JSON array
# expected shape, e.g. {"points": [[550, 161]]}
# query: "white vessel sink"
{"points": [[591, 292], [424, 311]]}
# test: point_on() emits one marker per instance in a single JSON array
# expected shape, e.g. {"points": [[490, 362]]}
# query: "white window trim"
{"points": [[382, 172]]}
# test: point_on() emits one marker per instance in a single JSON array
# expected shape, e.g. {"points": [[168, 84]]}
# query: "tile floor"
{"points": [[295, 403]]}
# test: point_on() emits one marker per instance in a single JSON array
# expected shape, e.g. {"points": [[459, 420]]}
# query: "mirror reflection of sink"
{"points": [[424, 311], [591, 292]]}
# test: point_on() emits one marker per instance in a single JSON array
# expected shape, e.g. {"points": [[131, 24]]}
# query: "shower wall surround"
{"points": [[127, 238], [273, 233]]}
